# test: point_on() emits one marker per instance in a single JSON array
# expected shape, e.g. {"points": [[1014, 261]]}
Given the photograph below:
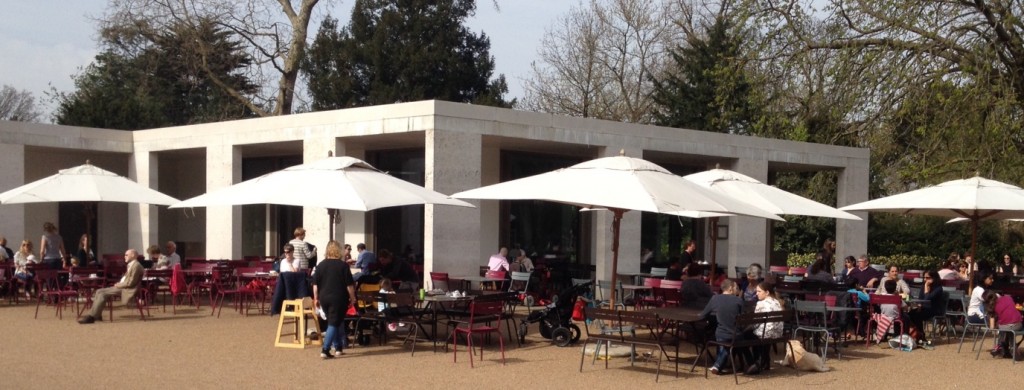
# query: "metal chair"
{"points": [[605, 287], [813, 317], [521, 285], [968, 326]]}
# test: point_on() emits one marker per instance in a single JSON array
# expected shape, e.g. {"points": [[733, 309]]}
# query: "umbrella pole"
{"points": [[616, 220], [974, 247], [714, 249], [330, 217]]}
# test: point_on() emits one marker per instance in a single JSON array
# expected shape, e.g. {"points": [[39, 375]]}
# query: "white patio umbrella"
{"points": [[85, 183], [765, 197], [618, 184], [343, 183], [975, 199]]}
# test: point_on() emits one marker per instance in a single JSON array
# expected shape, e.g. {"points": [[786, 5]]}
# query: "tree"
{"points": [[598, 61], [145, 80], [708, 89], [402, 50], [17, 105], [274, 33]]}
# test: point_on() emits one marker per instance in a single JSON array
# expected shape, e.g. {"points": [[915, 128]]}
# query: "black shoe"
{"points": [[86, 320], [998, 352], [754, 369], [326, 355]]}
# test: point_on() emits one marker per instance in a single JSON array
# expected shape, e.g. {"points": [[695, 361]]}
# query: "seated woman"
{"points": [[288, 262], [22, 258], [693, 290], [818, 271], [768, 301], [1002, 313], [748, 285], [848, 264], [725, 307], [932, 291], [975, 314]]}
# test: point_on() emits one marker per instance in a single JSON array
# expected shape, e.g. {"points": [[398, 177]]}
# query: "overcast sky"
{"points": [[44, 42]]}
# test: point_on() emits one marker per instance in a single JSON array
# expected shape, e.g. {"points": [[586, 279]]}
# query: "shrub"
{"points": [[903, 261]]}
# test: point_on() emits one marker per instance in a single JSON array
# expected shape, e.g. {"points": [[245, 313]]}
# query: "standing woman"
{"points": [[1008, 266], [85, 255], [333, 287], [51, 247]]}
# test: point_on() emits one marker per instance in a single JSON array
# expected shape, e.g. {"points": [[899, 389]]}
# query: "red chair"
{"points": [[50, 289], [480, 312], [440, 281], [668, 293], [649, 300], [495, 275], [779, 269], [876, 301], [222, 286], [179, 287]]}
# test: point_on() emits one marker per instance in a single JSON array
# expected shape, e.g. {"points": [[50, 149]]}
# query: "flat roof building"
{"points": [[444, 146]]}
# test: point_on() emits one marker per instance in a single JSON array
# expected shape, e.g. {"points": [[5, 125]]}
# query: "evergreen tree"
{"points": [[144, 80], [402, 50], [709, 89]]}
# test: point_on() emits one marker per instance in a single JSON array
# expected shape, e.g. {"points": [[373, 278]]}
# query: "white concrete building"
{"points": [[448, 147]]}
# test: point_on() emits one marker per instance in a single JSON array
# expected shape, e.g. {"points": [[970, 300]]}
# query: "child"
{"points": [[385, 288], [1002, 312]]}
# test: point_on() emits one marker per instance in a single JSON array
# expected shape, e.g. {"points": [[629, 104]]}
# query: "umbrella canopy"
{"points": [[618, 184], [764, 196], [343, 183], [85, 183], [975, 199]]}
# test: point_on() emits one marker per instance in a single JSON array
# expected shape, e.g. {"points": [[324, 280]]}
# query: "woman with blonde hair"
{"points": [[22, 258], [85, 255], [333, 289]]}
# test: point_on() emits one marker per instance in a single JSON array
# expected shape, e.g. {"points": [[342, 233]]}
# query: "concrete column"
{"points": [[451, 234], [143, 226], [12, 217], [315, 219], [852, 187], [490, 217], [747, 235], [629, 232], [223, 223]]}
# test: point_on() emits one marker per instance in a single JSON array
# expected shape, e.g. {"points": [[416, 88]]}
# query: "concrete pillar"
{"points": [[852, 187], [12, 217], [490, 210], [451, 234], [223, 223], [143, 227], [629, 232], [747, 235], [315, 219]]}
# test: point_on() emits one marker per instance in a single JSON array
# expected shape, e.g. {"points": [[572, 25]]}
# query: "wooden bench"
{"points": [[746, 321], [623, 329]]}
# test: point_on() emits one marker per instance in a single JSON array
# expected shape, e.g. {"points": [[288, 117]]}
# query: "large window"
{"points": [[538, 226], [395, 228]]}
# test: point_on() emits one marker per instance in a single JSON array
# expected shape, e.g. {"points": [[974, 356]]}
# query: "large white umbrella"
{"points": [[618, 184], [85, 183], [765, 197], [975, 199], [343, 183]]}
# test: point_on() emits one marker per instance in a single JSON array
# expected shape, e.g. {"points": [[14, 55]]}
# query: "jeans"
{"points": [[334, 337], [975, 319], [723, 353]]}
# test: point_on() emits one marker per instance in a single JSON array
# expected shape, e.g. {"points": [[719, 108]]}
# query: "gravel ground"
{"points": [[194, 350]]}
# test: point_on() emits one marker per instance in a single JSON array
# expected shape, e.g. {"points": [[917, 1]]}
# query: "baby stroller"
{"points": [[556, 318]]}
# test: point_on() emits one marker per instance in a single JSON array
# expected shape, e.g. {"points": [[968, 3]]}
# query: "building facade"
{"points": [[447, 147]]}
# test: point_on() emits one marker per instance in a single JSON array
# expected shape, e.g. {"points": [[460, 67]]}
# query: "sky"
{"points": [[43, 43]]}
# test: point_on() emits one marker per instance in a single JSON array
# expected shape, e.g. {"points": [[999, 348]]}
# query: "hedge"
{"points": [[903, 261]]}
